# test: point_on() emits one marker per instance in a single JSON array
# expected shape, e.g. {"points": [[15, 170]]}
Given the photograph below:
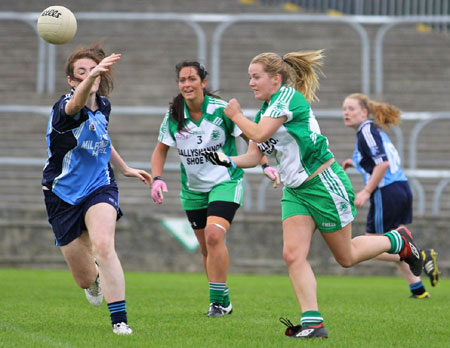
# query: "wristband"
{"points": [[157, 178], [233, 163], [265, 165]]}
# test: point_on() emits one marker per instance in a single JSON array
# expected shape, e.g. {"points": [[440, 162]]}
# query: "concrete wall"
{"points": [[254, 242]]}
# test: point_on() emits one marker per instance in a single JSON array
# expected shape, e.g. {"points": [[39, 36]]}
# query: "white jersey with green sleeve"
{"points": [[214, 132], [298, 146]]}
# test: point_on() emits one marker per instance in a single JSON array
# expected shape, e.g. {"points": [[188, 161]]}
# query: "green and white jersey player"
{"points": [[297, 144], [210, 195], [212, 132], [317, 193]]}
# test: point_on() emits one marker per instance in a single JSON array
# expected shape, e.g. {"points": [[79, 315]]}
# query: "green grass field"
{"points": [[46, 309]]}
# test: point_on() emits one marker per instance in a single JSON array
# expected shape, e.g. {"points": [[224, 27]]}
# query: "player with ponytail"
{"points": [[385, 184], [317, 193]]}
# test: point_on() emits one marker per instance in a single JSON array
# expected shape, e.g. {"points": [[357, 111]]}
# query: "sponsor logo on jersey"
{"points": [[97, 147], [268, 146]]}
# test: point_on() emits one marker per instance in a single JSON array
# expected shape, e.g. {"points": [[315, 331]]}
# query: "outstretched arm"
{"points": [[248, 160], [120, 164], [82, 91], [264, 161], [268, 170]]}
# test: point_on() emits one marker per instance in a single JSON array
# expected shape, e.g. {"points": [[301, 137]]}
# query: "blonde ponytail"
{"points": [[300, 70]]}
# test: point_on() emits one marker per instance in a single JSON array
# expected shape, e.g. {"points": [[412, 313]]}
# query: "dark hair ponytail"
{"points": [[176, 107]]}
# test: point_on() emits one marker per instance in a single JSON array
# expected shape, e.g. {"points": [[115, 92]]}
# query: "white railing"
{"points": [[371, 7], [413, 173], [45, 80]]}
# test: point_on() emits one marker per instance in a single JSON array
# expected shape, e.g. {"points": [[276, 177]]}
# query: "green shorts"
{"points": [[327, 198], [228, 191]]}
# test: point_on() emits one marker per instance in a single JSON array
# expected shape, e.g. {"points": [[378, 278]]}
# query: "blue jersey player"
{"points": [[386, 186], [81, 195]]}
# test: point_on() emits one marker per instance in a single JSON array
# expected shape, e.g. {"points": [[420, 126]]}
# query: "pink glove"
{"points": [[272, 174], [158, 187]]}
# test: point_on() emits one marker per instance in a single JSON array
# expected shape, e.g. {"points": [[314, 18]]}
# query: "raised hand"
{"points": [[105, 64], [232, 109]]}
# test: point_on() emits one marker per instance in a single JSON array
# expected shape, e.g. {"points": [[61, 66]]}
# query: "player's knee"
{"points": [[83, 282], [103, 250], [345, 261], [214, 235], [291, 255]]}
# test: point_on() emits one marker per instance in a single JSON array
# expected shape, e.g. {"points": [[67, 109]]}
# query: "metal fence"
{"points": [[45, 79], [258, 200], [372, 7]]}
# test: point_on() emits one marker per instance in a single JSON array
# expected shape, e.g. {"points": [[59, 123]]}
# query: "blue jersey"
{"points": [[79, 150], [373, 147]]}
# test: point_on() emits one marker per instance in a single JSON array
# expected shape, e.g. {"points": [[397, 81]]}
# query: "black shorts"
{"points": [[67, 220], [390, 207], [222, 209]]}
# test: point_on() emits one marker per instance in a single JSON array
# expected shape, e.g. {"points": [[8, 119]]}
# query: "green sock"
{"points": [[226, 297], [312, 318], [216, 292], [397, 242]]}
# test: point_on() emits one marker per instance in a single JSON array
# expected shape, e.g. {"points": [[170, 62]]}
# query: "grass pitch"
{"points": [[46, 309]]}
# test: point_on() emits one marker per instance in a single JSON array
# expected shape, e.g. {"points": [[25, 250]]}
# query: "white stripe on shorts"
{"points": [[339, 195], [238, 192]]}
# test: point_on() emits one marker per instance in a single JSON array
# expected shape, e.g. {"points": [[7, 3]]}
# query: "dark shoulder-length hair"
{"points": [[96, 53], [176, 107]]}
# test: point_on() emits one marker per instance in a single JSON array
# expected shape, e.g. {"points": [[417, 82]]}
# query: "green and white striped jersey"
{"points": [[214, 132], [298, 146]]}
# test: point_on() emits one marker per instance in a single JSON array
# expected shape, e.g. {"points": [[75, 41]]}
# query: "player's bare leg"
{"points": [[217, 263]]}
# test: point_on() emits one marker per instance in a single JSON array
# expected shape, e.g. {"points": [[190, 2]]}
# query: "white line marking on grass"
{"points": [[35, 336]]}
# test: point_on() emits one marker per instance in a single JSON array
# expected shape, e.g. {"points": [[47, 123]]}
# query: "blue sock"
{"points": [[118, 312], [417, 288]]}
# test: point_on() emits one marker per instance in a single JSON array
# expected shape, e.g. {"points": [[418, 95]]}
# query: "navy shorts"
{"points": [[67, 220], [390, 207]]}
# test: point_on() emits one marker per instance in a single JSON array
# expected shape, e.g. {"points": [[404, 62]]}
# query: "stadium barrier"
{"points": [[257, 201], [45, 79]]}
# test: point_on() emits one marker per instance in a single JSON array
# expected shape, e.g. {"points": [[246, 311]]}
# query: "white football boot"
{"points": [[94, 293], [122, 329]]}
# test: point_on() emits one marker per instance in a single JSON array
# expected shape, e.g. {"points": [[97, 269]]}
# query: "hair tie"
{"points": [[284, 60]]}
